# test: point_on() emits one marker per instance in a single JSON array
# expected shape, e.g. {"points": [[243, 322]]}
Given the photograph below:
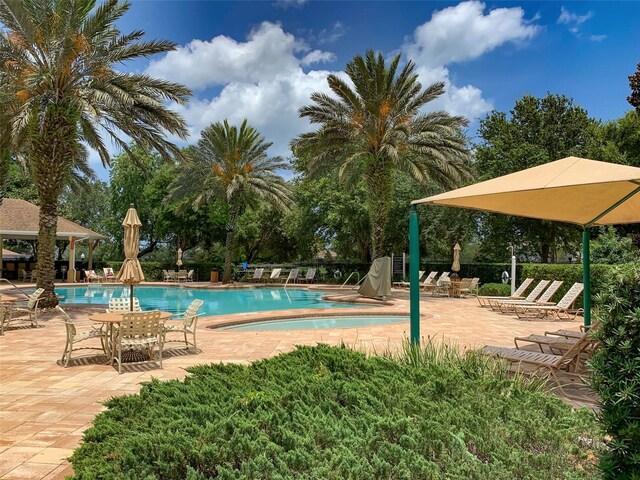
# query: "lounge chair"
{"points": [[187, 326], [141, 330], [92, 276], [309, 276], [531, 298], [25, 275], [471, 288], [517, 295], [74, 337], [442, 286], [257, 275], [275, 275], [563, 309], [123, 305], [430, 287], [293, 276], [404, 284], [508, 306], [542, 361], [109, 275], [30, 309]]}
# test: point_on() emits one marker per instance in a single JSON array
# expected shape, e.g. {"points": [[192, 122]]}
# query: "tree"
{"points": [[231, 165], [538, 130], [634, 83], [58, 65], [368, 132]]}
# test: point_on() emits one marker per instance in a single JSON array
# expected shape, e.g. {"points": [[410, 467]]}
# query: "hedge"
{"points": [[495, 290], [153, 270], [333, 413]]}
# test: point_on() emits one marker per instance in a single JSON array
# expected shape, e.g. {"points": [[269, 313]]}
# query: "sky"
{"points": [[262, 60]]}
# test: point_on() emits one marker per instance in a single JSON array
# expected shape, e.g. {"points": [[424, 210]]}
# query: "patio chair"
{"points": [[559, 340], [75, 337], [517, 295], [182, 275], [123, 305], [531, 298], [404, 284], [109, 275], [138, 330], [257, 275], [92, 276], [6, 313], [508, 306], [190, 276], [166, 276], [441, 287], [25, 275], [173, 275], [563, 309], [309, 276], [275, 275], [431, 286], [542, 361], [189, 322], [30, 309], [293, 276], [471, 289]]}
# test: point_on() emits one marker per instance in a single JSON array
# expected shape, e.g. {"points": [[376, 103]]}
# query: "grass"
{"points": [[327, 412]]}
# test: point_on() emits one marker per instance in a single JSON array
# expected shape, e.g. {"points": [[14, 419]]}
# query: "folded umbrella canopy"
{"points": [[572, 190], [131, 271]]}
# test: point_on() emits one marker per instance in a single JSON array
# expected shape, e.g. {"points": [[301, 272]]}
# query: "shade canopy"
{"points": [[572, 190], [131, 271]]}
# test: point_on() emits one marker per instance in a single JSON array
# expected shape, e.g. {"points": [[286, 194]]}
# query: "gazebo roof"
{"points": [[8, 254], [19, 221]]}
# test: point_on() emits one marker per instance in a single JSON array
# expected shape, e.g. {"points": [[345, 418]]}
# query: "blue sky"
{"points": [[261, 60]]}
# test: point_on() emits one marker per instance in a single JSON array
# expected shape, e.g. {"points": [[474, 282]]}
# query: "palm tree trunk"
{"points": [[231, 227], [379, 185], [5, 157], [48, 224]]}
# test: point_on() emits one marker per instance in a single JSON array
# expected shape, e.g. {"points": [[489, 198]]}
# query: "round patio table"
{"points": [[9, 299], [112, 318]]}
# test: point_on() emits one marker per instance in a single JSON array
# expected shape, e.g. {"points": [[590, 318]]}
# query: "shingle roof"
{"points": [[19, 220]]}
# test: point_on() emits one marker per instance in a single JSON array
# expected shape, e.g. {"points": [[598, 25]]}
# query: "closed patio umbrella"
{"points": [[179, 261], [131, 271], [456, 258], [572, 190]]}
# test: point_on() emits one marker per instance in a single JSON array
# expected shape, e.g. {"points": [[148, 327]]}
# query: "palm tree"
{"points": [[58, 69], [230, 164], [377, 127]]}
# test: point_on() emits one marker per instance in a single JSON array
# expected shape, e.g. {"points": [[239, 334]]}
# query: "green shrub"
{"points": [[322, 412], [495, 290], [153, 270], [616, 372]]}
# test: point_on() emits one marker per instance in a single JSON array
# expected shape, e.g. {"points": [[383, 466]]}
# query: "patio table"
{"points": [[115, 318], [9, 299]]}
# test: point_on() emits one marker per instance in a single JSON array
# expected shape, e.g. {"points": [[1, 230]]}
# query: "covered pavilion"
{"points": [[19, 221]]}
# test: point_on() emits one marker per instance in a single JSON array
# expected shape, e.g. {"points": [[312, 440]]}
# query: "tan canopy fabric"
{"points": [[573, 190], [377, 283], [131, 271]]}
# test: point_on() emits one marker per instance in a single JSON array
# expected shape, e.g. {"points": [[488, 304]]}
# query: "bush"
{"points": [[616, 372], [486, 272], [153, 270], [323, 412], [495, 290]]}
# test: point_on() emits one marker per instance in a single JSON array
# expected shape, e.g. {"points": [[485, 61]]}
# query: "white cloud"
{"points": [[597, 38], [461, 33], [331, 35], [318, 56], [570, 18], [284, 4]]}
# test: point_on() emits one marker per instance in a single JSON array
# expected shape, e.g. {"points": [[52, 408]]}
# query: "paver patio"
{"points": [[44, 408]]}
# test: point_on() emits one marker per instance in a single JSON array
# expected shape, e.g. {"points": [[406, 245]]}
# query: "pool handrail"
{"points": [[2, 279], [351, 275]]}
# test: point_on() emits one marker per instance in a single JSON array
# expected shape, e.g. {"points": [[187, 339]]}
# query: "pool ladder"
{"points": [[349, 277], [2, 279]]}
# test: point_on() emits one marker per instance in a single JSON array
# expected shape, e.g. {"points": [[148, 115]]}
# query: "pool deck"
{"points": [[44, 408]]}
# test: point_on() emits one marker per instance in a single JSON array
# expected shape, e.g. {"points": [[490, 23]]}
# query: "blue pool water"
{"points": [[216, 302], [318, 322]]}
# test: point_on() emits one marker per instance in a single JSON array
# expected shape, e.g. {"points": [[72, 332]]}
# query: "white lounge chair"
{"points": [[517, 295], [404, 284], [509, 305], [293, 276], [309, 276], [531, 298], [563, 309], [275, 275]]}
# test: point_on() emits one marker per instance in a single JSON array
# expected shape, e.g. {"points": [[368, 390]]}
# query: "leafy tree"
{"points": [[624, 133], [231, 165], [612, 248], [537, 131], [376, 128], [58, 66], [634, 83]]}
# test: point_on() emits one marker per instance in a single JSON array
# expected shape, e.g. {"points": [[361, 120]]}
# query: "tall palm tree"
{"points": [[58, 62], [230, 164], [376, 127]]}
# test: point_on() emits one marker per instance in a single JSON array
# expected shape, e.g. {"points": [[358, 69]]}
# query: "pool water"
{"points": [[216, 302], [318, 322]]}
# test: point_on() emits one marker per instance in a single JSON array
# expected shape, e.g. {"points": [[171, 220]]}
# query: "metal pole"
{"points": [[414, 266], [513, 275], [586, 276]]}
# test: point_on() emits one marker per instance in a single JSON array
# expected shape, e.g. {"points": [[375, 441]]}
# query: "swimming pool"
{"points": [[216, 302], [318, 322]]}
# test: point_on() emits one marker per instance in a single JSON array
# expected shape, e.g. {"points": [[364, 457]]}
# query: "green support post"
{"points": [[414, 267], [586, 276]]}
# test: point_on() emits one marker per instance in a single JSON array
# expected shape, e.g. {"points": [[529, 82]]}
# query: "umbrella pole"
{"points": [[414, 266], [131, 298], [586, 276]]}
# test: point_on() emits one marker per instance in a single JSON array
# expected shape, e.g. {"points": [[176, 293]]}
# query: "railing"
{"points": [[349, 277], [14, 286]]}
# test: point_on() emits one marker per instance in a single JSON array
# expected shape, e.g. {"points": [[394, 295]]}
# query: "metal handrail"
{"points": [[351, 275], [2, 279]]}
